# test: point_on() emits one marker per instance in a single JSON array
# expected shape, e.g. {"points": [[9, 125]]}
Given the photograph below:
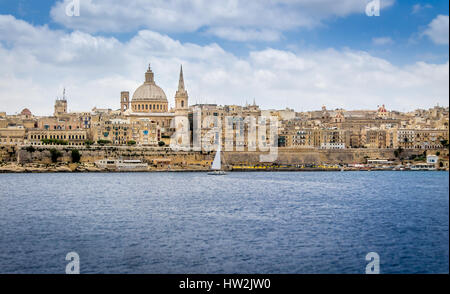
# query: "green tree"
{"points": [[30, 149], [103, 142], [55, 154], [131, 143], [76, 156], [161, 143], [397, 152], [54, 142]]}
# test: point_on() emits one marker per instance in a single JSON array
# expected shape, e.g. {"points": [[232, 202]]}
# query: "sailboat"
{"points": [[216, 167]]}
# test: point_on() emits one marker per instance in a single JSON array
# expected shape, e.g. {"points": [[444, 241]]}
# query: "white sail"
{"points": [[217, 163]]}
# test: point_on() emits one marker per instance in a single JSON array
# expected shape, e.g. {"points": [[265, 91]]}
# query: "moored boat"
{"points": [[122, 165]]}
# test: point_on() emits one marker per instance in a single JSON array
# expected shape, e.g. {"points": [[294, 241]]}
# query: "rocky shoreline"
{"points": [[78, 168], [90, 168]]}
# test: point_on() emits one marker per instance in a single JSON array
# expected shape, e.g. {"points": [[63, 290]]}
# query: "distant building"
{"points": [[432, 159], [332, 146], [12, 135]]}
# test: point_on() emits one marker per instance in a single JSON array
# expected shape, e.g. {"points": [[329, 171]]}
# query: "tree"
{"points": [[131, 143], [54, 142], [161, 143], [30, 149], [55, 154], [103, 142], [76, 156], [398, 151]]}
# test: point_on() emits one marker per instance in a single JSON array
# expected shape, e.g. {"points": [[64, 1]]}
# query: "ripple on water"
{"points": [[240, 223]]}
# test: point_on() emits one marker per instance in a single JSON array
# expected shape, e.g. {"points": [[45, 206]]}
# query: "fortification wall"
{"points": [[285, 156], [8, 153]]}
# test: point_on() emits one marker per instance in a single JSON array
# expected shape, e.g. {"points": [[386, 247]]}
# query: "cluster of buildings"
{"points": [[147, 120], [340, 129]]}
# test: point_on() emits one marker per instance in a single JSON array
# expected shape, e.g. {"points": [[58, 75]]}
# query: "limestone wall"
{"points": [[8, 153], [312, 156], [285, 156]]}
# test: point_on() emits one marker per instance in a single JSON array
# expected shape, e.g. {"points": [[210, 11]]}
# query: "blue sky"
{"points": [[218, 42]]}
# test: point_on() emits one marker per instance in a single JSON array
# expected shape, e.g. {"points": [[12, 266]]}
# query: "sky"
{"points": [[300, 54]]}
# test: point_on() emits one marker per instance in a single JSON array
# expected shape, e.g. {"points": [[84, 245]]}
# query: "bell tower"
{"points": [[124, 101], [61, 105], [181, 97], [180, 140]]}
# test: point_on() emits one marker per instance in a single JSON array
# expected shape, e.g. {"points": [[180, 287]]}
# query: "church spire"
{"points": [[181, 81], [181, 96]]}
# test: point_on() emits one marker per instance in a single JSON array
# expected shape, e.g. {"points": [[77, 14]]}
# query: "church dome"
{"points": [[149, 91], [25, 111]]}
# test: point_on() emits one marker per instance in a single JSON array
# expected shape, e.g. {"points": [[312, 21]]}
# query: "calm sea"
{"points": [[281, 222]]}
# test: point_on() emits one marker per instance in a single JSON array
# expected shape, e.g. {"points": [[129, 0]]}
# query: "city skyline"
{"points": [[299, 63], [218, 145]]}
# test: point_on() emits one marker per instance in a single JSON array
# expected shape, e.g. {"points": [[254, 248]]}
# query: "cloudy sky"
{"points": [[300, 54]]}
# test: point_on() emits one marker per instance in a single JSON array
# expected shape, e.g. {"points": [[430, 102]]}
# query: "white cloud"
{"points": [[437, 30], [382, 41], [239, 20], [236, 34], [418, 7], [38, 62]]}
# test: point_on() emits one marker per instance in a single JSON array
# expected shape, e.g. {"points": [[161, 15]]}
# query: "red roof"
{"points": [[25, 111]]}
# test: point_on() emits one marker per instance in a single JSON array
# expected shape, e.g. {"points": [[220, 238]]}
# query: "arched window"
{"points": [[182, 103]]}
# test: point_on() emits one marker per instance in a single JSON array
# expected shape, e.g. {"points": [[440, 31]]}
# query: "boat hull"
{"points": [[217, 173]]}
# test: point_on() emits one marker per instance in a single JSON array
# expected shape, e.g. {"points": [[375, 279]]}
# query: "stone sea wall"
{"points": [[8, 153], [161, 156]]}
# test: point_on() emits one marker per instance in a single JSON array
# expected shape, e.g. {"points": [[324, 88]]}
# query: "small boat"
{"points": [[423, 167], [216, 167], [122, 165]]}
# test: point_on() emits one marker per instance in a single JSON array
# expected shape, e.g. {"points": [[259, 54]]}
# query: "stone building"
{"points": [[12, 135], [149, 102], [70, 137], [60, 106]]}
